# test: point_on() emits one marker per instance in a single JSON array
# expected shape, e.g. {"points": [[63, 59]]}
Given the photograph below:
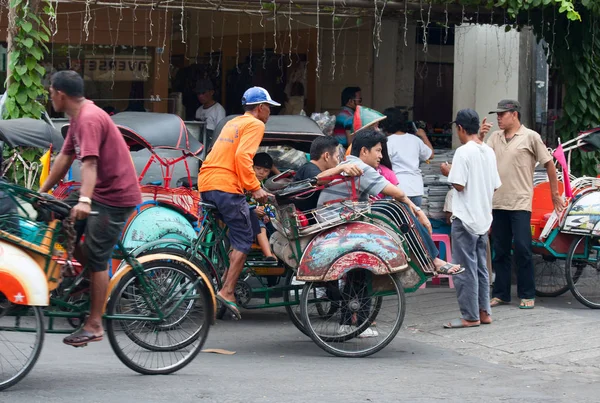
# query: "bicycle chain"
{"points": [[68, 226]]}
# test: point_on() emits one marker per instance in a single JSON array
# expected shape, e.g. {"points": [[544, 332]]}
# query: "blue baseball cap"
{"points": [[257, 95]]}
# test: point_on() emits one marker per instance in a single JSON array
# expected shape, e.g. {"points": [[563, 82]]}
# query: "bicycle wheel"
{"points": [[150, 345], [186, 253], [21, 340], [322, 301], [550, 280], [583, 273], [363, 298]]}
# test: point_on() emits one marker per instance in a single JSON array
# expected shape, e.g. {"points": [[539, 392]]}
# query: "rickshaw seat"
{"points": [[184, 182], [208, 206]]}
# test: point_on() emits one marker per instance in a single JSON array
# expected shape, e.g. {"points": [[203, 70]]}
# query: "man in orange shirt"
{"points": [[227, 173]]}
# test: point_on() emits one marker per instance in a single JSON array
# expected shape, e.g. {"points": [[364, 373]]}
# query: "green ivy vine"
{"points": [[26, 95], [25, 87]]}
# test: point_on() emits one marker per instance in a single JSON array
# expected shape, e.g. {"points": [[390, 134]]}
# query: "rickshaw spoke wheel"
{"points": [[21, 340], [323, 302], [169, 344], [550, 280], [583, 276], [369, 313]]}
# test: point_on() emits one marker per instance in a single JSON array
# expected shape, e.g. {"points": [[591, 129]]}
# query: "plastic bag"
{"points": [[325, 121]]}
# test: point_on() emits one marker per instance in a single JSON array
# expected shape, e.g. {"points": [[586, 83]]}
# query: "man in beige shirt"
{"points": [[517, 150]]}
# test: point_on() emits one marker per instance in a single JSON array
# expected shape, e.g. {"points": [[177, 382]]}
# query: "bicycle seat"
{"points": [[184, 182], [280, 181], [208, 206]]}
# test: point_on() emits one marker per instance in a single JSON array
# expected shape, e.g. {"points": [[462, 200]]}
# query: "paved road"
{"points": [[549, 354]]}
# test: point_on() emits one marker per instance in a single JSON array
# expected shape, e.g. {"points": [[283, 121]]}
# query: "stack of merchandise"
{"points": [[436, 184]]}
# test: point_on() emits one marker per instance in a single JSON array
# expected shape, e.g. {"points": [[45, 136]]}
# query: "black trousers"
{"points": [[512, 228]]}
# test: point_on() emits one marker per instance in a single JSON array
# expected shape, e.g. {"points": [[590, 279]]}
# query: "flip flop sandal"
{"points": [[81, 338], [445, 269], [497, 302], [459, 324], [231, 306], [524, 301]]}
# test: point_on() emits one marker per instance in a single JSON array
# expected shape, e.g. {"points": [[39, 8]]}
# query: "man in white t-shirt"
{"points": [[474, 176], [210, 111], [406, 152]]}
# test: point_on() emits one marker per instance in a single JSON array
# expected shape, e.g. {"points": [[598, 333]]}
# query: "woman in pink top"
{"points": [[385, 169]]}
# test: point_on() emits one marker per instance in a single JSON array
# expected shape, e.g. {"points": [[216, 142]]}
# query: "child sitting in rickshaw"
{"points": [[263, 164]]}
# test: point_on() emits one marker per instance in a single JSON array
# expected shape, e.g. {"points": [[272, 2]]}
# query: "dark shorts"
{"points": [[235, 213], [101, 231]]}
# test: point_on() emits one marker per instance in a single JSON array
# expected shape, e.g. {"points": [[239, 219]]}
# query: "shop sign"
{"points": [[124, 68]]}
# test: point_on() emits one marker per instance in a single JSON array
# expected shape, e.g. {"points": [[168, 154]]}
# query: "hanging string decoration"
{"points": [[87, 19], [181, 22], [405, 22], [170, 68], [146, 71], [290, 34], [237, 47], [377, 26], [80, 45], [318, 66], [164, 43], [221, 46], [212, 38], [113, 70], [93, 35], [297, 41], [275, 27], [333, 51], [69, 40], [54, 19], [150, 21], [264, 58], [134, 16]]}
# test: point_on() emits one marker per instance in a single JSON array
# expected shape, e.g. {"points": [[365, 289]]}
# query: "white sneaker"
{"points": [[345, 329], [369, 332]]}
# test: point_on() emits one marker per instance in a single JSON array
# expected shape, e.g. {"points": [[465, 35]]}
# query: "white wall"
{"points": [[486, 69]]}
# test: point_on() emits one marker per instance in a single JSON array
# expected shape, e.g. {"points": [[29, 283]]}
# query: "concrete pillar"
{"points": [[384, 66], [486, 69]]}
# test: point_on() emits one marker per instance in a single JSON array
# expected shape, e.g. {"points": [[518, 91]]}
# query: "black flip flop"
{"points": [[81, 338]]}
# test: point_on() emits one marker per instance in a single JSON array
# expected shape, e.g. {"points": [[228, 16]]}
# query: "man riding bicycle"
{"points": [[227, 173], [109, 187]]}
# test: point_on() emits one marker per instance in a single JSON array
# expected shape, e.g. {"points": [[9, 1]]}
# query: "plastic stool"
{"points": [[445, 239]]}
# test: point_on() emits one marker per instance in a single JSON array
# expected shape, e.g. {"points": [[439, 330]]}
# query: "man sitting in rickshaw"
{"points": [[324, 162], [366, 155]]}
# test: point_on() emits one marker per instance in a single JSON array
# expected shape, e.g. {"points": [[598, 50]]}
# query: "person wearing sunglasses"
{"points": [[351, 98]]}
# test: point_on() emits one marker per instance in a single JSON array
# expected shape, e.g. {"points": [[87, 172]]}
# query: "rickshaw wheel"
{"points": [[351, 332], [550, 278], [583, 275], [326, 309], [159, 347], [11, 340]]}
